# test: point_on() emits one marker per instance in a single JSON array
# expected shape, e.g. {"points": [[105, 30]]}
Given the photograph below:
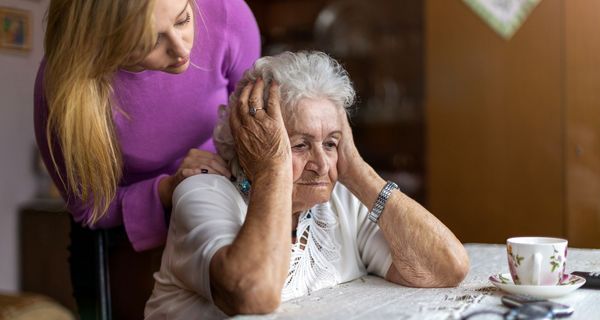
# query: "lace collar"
{"points": [[312, 262], [315, 252]]}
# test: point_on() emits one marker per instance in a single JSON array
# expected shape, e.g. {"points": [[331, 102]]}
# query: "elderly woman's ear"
{"points": [[262, 143]]}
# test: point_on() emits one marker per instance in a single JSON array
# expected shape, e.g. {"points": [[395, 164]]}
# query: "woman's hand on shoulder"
{"points": [[262, 143], [195, 162]]}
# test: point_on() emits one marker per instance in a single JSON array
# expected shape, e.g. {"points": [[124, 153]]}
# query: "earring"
{"points": [[243, 184]]}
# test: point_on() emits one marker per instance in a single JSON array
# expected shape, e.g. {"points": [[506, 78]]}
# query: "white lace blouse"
{"points": [[336, 243]]}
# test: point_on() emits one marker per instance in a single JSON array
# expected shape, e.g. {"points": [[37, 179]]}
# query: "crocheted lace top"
{"points": [[314, 254], [336, 243]]}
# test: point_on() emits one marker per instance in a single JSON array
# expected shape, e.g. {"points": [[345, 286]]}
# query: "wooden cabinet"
{"points": [[44, 240], [513, 125], [45, 246], [582, 121], [380, 43]]}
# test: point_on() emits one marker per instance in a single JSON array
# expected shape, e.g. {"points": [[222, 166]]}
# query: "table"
{"points": [[371, 297]]}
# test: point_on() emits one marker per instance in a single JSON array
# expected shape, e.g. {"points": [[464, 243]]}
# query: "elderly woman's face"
{"points": [[315, 132]]}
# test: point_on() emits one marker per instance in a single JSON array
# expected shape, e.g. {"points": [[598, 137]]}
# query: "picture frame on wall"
{"points": [[15, 29]]}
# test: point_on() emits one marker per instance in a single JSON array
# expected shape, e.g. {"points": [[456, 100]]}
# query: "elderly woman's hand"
{"points": [[262, 143], [350, 163]]}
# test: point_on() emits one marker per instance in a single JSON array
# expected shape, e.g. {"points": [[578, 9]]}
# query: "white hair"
{"points": [[301, 75]]}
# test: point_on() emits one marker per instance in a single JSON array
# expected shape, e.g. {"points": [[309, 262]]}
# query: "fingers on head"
{"points": [[242, 107], [235, 121], [240, 110], [274, 108], [256, 96]]}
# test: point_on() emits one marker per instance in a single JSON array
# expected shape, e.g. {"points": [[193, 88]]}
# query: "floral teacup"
{"points": [[537, 260]]}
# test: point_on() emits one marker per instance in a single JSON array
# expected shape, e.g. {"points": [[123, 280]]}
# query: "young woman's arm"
{"points": [[137, 206]]}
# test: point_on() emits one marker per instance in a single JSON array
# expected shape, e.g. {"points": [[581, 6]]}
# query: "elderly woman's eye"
{"points": [[331, 145], [299, 146]]}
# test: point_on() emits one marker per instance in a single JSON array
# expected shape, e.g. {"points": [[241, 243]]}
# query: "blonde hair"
{"points": [[86, 42]]}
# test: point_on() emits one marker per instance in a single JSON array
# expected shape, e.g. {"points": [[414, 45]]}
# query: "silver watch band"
{"points": [[382, 198]]}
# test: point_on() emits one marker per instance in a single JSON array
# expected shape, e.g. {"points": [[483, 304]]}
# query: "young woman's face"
{"points": [[174, 23]]}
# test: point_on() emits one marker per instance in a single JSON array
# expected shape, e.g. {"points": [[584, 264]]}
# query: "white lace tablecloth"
{"points": [[374, 298]]}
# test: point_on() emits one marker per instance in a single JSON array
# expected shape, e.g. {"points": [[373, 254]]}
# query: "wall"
{"points": [[495, 123], [17, 75], [582, 148], [513, 126]]}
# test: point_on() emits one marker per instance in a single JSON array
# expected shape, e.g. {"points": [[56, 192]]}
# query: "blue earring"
{"points": [[244, 186]]}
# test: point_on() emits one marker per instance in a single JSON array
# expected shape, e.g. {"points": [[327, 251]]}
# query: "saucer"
{"points": [[505, 283]]}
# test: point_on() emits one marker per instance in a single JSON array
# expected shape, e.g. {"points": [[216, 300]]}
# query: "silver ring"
{"points": [[253, 110]]}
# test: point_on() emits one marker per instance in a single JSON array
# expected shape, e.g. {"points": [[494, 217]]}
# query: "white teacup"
{"points": [[537, 260]]}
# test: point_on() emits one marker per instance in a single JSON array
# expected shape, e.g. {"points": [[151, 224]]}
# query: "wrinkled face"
{"points": [[174, 23], [315, 132]]}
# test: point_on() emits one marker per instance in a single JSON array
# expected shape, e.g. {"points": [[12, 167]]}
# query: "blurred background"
{"points": [[496, 134]]}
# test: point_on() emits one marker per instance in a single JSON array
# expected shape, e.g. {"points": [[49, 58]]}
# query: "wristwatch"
{"points": [[382, 198]]}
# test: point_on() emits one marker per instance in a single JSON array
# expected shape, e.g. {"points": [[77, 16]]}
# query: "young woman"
{"points": [[127, 97]]}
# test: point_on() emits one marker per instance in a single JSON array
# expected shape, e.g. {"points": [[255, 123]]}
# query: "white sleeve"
{"points": [[372, 246], [207, 215]]}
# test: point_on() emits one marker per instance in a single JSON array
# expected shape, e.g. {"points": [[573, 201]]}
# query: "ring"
{"points": [[253, 110], [203, 170]]}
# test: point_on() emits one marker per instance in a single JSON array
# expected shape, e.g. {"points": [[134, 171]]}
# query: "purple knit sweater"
{"points": [[166, 116]]}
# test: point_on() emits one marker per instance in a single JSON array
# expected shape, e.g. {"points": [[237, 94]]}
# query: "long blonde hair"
{"points": [[86, 42]]}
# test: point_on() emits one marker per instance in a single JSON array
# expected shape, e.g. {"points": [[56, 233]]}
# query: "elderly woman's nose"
{"points": [[318, 162]]}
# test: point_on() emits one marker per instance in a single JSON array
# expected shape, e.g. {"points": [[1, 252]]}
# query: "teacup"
{"points": [[537, 261]]}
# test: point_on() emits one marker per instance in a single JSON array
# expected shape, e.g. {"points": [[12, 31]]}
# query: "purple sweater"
{"points": [[168, 115]]}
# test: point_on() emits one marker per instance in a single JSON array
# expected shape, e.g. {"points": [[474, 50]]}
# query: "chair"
{"points": [[122, 279], [89, 251]]}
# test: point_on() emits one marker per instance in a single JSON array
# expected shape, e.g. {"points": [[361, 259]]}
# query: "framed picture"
{"points": [[15, 29]]}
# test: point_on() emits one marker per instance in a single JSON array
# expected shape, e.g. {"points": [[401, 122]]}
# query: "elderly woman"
{"points": [[306, 211]]}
